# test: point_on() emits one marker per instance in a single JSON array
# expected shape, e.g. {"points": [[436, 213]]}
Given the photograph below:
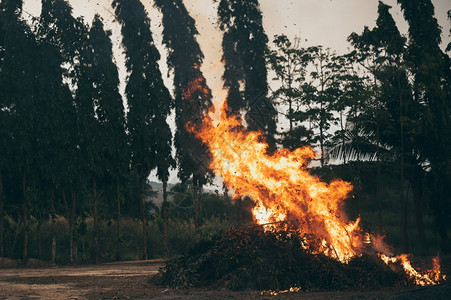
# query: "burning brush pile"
{"points": [[303, 238], [253, 258]]}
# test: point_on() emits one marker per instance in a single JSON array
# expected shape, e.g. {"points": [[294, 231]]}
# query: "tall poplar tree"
{"points": [[55, 140], [89, 128], [430, 67], [395, 95], [61, 28], [192, 95], [58, 27], [102, 119], [17, 101], [149, 100], [244, 48], [109, 112]]}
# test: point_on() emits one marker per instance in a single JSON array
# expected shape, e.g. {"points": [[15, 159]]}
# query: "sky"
{"points": [[316, 22]]}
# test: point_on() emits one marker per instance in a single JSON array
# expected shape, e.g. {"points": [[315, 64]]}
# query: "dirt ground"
{"points": [[130, 280]]}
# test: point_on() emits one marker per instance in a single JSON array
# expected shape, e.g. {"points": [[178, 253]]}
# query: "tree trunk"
{"points": [[378, 157], [118, 222], [69, 220], [25, 219], [96, 222], [322, 111], [404, 223], [12, 246], [53, 229], [196, 188], [343, 136], [321, 142], [378, 184], [440, 207], [73, 245], [66, 204], [2, 248], [418, 203], [445, 242], [39, 231], [404, 234], [144, 220], [165, 219], [290, 97]]}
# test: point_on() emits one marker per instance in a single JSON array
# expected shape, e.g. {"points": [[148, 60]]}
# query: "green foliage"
{"points": [[430, 68], [148, 99], [396, 113], [289, 62], [218, 214], [375, 199], [375, 111], [323, 94], [244, 48], [60, 28], [17, 82], [100, 110], [192, 95]]}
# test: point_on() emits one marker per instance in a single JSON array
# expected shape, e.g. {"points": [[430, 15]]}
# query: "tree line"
{"points": [[69, 149]]}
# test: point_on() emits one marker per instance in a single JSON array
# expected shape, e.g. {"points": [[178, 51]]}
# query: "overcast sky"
{"points": [[317, 22]]}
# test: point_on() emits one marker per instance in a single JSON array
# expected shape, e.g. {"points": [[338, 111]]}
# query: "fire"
{"points": [[286, 195], [281, 186], [267, 216], [429, 277], [197, 86], [293, 289]]}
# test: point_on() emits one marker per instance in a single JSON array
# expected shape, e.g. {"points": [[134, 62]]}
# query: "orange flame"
{"points": [[287, 195], [281, 186], [193, 86], [197, 86], [429, 277]]}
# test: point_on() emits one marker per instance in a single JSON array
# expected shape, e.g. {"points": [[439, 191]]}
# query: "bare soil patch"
{"points": [[130, 280]]}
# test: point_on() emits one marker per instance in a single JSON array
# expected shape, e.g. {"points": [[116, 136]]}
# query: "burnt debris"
{"points": [[251, 258]]}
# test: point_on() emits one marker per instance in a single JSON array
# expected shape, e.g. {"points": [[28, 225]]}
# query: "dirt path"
{"points": [[79, 282], [130, 280]]}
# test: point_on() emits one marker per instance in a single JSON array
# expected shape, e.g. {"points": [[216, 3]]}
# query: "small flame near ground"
{"points": [[429, 277], [293, 289], [286, 195]]}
